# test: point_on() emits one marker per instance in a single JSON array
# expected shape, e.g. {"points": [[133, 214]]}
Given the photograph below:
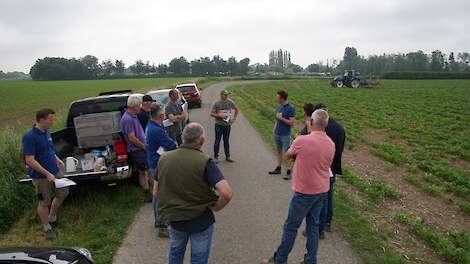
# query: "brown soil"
{"points": [[435, 212]]}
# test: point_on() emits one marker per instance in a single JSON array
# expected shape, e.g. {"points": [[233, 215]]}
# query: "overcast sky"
{"points": [[158, 30]]}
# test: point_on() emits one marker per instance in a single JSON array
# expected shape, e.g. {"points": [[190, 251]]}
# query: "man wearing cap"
{"points": [[222, 112], [143, 114], [135, 138], [175, 113], [336, 133]]}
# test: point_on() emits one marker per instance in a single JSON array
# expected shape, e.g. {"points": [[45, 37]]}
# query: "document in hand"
{"points": [[167, 123], [160, 151], [63, 182], [227, 115]]}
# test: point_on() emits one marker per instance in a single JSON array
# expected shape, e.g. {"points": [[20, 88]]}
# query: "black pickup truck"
{"points": [[93, 129]]}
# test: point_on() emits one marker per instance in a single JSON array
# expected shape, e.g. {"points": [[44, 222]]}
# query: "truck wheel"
{"points": [[355, 84], [339, 84]]}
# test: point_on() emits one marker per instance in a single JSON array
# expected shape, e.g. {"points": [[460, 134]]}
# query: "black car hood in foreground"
{"points": [[46, 255]]}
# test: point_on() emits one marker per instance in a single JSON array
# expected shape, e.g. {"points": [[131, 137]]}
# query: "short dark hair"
{"points": [[170, 93], [309, 108], [283, 94], [44, 113], [155, 110]]}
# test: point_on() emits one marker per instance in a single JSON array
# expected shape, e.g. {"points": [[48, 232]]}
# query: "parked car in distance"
{"points": [[191, 94], [45, 255], [92, 128], [162, 97]]}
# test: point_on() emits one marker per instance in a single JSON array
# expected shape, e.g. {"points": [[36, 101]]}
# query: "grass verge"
{"points": [[96, 218]]}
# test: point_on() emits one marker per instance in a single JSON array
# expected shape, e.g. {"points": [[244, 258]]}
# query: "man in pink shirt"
{"points": [[313, 155]]}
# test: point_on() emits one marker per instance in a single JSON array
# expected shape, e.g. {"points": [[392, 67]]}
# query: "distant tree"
{"points": [[162, 69], [313, 67], [219, 64], [59, 69], [244, 66], [437, 61], [232, 66], [119, 67], [91, 63], [179, 66], [107, 67], [295, 68]]}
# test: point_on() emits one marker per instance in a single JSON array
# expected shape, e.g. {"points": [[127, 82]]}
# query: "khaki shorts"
{"points": [[46, 191]]}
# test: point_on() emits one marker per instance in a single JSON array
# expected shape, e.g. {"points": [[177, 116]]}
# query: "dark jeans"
{"points": [[301, 206], [221, 130], [327, 211]]}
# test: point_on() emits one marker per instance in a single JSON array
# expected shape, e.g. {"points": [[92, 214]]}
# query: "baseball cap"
{"points": [[147, 98], [224, 92]]}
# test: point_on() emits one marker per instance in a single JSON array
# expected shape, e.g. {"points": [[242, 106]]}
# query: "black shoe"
{"points": [[322, 235], [229, 160], [276, 171]]}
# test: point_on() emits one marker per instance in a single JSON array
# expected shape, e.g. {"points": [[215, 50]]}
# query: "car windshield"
{"points": [[187, 88]]}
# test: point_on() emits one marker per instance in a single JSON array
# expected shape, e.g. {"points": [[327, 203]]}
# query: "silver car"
{"points": [[162, 97]]}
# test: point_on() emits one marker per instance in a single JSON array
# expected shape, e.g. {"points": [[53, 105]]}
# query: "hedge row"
{"points": [[425, 75], [15, 198]]}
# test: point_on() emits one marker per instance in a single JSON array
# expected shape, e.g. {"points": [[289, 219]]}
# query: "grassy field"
{"points": [[100, 216], [22, 98], [420, 130]]}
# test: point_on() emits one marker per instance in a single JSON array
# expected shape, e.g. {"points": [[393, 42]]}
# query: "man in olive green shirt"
{"points": [[222, 111]]}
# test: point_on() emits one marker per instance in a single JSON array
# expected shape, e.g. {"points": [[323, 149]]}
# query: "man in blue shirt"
{"points": [[157, 142], [43, 168], [285, 120]]}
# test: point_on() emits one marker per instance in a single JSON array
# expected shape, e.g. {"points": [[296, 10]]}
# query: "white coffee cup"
{"points": [[71, 164]]}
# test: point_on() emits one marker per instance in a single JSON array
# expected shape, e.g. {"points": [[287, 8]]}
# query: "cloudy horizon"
{"points": [[158, 31]]}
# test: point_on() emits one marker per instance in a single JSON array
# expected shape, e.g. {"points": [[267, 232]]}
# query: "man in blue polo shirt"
{"points": [[157, 139], [285, 120], [39, 155]]}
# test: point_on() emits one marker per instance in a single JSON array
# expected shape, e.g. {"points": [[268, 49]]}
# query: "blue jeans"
{"points": [[221, 130], [301, 206], [200, 246], [158, 223], [326, 215]]}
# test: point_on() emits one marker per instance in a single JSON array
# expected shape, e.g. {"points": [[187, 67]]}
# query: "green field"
{"points": [[420, 129], [20, 99]]}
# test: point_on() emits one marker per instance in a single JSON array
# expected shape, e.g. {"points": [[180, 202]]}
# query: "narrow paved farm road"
{"points": [[249, 229]]}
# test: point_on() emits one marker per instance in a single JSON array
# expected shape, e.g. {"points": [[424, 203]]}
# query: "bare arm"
{"points": [[32, 162], [289, 121], [225, 195], [237, 111], [155, 188], [215, 113], [134, 140]]}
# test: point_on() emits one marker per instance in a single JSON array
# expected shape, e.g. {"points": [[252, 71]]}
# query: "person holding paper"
{"points": [[158, 142], [176, 114], [222, 112], [43, 169]]}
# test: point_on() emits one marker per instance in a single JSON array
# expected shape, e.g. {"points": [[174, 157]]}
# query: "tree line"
{"points": [[417, 61], [15, 75], [89, 67]]}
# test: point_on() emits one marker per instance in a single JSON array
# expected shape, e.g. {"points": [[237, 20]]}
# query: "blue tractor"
{"points": [[349, 79]]}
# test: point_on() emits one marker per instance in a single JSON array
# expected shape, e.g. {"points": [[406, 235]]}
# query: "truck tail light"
{"points": [[120, 150]]}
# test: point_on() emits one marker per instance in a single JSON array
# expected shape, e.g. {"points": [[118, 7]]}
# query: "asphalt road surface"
{"points": [[249, 229]]}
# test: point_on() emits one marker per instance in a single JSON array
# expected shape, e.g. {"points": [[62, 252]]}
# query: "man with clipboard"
{"points": [[225, 113]]}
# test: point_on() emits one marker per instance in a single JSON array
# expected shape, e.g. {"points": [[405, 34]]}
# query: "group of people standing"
{"points": [[186, 186], [316, 156]]}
